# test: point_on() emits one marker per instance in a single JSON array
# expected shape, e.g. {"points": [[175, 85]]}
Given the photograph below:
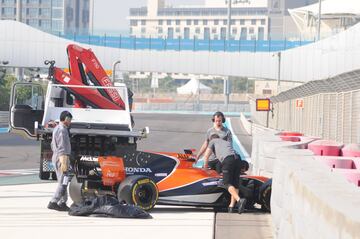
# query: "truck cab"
{"points": [[94, 131]]}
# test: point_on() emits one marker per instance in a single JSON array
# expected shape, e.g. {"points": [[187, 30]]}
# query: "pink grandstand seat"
{"points": [[325, 147], [337, 162], [351, 150]]}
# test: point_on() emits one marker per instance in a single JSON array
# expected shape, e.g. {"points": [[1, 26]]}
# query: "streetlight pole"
{"points": [[92, 3], [19, 11], [19, 72], [114, 70], [319, 22], [229, 20], [279, 72], [226, 81]]}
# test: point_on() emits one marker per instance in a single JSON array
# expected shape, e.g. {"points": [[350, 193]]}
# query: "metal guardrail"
{"points": [[4, 116], [191, 107]]}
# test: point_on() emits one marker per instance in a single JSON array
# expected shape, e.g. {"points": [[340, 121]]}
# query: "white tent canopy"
{"points": [[332, 7], [335, 16], [193, 87]]}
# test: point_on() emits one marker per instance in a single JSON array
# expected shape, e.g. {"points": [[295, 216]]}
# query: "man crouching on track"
{"points": [[61, 148], [231, 167]]}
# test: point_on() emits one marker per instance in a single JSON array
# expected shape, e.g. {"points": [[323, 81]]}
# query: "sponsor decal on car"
{"points": [[131, 170], [89, 158]]}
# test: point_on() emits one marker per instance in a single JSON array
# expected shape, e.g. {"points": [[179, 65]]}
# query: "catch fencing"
{"points": [[328, 115], [191, 107], [4, 116]]}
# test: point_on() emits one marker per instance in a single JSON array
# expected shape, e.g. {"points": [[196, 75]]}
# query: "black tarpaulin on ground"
{"points": [[106, 206]]}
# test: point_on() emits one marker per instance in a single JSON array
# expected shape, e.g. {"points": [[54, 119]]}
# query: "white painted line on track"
{"points": [[18, 172]]}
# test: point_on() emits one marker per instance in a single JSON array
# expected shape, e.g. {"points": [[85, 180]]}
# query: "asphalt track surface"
{"points": [[168, 132]]}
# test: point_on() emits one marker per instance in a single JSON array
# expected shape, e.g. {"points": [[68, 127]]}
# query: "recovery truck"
{"points": [[104, 156]]}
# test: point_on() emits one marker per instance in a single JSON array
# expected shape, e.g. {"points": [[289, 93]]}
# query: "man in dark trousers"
{"points": [[231, 167], [61, 148], [218, 128]]}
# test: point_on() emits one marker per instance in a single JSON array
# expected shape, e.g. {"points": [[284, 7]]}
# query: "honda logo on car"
{"points": [[131, 170]]}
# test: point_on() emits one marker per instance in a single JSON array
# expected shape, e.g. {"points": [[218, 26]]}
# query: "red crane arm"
{"points": [[80, 57], [89, 96]]}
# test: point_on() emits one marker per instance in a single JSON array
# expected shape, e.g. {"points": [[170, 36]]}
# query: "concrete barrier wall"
{"points": [[253, 128], [309, 200]]}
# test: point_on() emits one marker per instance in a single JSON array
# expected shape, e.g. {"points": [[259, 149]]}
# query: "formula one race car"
{"points": [[105, 159], [147, 178]]}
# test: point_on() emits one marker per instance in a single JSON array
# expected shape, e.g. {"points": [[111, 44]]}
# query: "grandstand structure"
{"points": [[336, 16]]}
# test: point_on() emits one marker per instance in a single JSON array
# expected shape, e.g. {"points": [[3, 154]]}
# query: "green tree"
{"points": [[167, 84], [5, 86]]}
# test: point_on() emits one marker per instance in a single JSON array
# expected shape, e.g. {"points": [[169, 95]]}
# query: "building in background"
{"points": [[336, 16], [281, 24], [53, 16], [251, 19]]}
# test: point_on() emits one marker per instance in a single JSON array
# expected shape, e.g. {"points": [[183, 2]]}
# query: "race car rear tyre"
{"points": [[75, 190], [265, 195], [138, 190]]}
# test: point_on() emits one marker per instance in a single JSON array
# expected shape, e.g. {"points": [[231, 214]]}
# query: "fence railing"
{"points": [[191, 107], [333, 116], [162, 44], [4, 116]]}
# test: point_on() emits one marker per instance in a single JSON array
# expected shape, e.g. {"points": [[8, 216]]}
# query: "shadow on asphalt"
{"points": [[180, 209]]}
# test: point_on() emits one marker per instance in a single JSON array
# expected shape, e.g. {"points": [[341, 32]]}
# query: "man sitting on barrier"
{"points": [[231, 169]]}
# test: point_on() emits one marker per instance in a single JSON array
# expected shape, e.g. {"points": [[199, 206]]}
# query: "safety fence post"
{"points": [[150, 43], [120, 41], [269, 42]]}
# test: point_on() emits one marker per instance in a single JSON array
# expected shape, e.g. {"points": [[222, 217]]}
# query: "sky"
{"points": [[110, 15]]}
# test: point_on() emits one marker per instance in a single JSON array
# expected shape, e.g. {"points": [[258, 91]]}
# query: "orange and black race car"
{"points": [[148, 178]]}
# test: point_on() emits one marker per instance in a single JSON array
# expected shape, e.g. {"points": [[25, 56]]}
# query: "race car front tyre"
{"points": [[265, 195], [75, 190], [138, 190]]}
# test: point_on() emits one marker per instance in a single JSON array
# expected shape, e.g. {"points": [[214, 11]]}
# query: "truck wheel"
{"points": [[53, 176], [43, 175], [265, 195], [44, 163], [75, 190], [138, 190]]}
